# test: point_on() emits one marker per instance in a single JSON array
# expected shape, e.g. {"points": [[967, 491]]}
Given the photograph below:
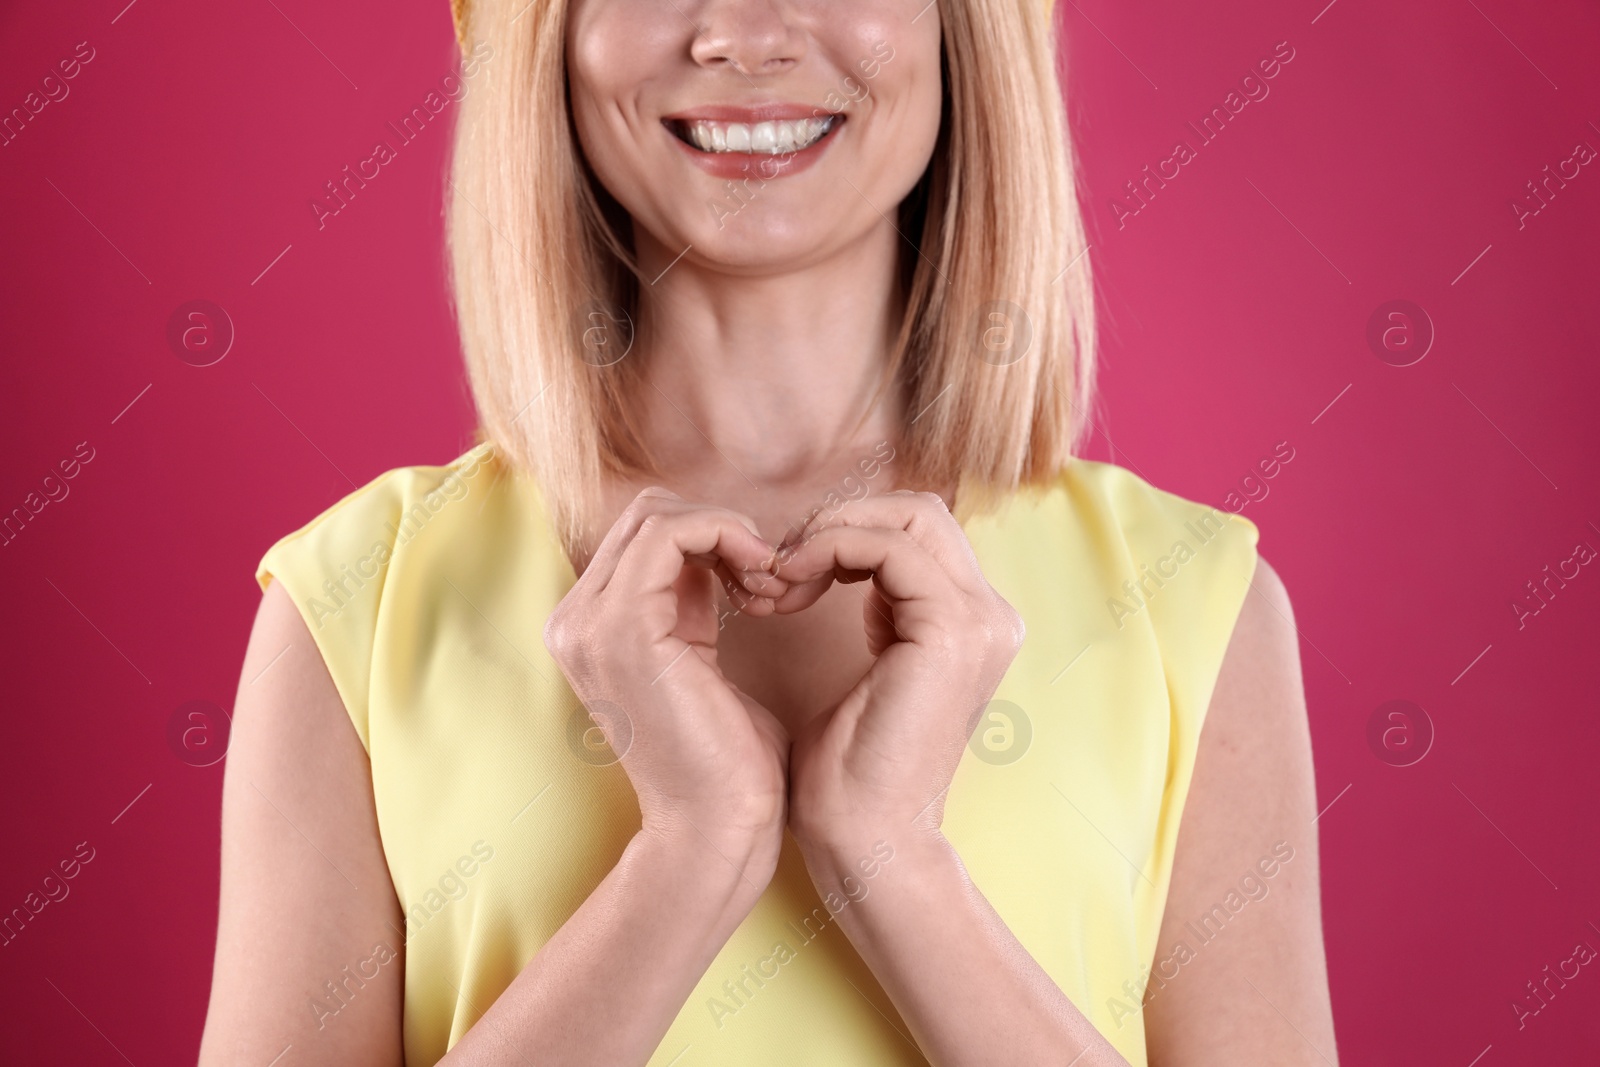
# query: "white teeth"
{"points": [[761, 138]]}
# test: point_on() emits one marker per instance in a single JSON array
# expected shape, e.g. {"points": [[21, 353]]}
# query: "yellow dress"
{"points": [[427, 591]]}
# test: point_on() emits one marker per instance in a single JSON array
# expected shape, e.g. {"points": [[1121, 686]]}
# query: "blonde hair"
{"points": [[996, 399]]}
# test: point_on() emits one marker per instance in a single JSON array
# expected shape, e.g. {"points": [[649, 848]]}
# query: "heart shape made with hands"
{"points": [[941, 638]]}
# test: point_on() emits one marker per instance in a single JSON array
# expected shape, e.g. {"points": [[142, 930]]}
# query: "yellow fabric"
{"points": [[427, 591]]}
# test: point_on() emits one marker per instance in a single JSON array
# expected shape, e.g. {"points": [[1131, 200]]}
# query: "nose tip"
{"points": [[750, 36]]}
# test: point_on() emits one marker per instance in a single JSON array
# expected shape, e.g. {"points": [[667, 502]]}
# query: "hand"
{"points": [[638, 632], [879, 764]]}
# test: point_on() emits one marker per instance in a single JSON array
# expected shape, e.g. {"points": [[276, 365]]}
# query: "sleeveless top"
{"points": [[500, 808]]}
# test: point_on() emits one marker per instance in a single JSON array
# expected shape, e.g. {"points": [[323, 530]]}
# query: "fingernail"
{"points": [[767, 583]]}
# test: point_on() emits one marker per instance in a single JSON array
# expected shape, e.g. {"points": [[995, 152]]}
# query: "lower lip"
{"points": [[756, 166]]}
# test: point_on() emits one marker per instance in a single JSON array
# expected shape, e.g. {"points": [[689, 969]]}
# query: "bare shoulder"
{"points": [[1267, 583], [1241, 948], [1254, 760], [277, 631], [306, 896], [1258, 706], [290, 726], [1265, 640]]}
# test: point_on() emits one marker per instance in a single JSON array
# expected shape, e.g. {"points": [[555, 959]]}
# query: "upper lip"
{"points": [[749, 114]]}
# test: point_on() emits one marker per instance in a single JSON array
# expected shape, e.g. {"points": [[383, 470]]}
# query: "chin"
{"points": [[763, 242]]}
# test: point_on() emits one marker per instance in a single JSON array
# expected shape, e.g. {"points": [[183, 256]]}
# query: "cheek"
{"points": [[594, 92], [612, 52], [899, 106]]}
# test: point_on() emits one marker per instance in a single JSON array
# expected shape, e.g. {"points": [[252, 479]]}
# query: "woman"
{"points": [[791, 293]]}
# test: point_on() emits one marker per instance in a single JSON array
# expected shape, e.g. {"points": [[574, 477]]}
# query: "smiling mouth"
{"points": [[773, 138]]}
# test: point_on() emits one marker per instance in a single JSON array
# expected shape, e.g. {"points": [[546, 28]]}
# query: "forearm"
{"points": [[606, 987], [967, 988]]}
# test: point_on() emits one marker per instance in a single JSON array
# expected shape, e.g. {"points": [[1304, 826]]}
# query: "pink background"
{"points": [[1235, 306]]}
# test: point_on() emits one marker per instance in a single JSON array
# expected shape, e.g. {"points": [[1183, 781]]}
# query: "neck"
{"points": [[767, 379]]}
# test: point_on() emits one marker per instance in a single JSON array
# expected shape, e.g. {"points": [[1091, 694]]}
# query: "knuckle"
{"points": [[1008, 627], [647, 502], [652, 526], [566, 636], [558, 634]]}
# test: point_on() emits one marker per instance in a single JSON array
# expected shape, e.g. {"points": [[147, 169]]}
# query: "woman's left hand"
{"points": [[874, 771], [877, 766]]}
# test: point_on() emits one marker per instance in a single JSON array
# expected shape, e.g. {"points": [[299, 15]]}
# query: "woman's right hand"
{"points": [[636, 638]]}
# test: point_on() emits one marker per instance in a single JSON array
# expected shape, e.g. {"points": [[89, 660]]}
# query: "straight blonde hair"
{"points": [[995, 352]]}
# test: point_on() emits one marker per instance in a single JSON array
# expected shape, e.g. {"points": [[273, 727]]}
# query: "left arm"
{"points": [[876, 770], [1259, 990], [956, 973]]}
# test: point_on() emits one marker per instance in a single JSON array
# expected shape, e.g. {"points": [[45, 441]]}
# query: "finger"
{"points": [[877, 617], [802, 594], [741, 582], [658, 501], [749, 592], [651, 500], [922, 515], [664, 542], [899, 565]]}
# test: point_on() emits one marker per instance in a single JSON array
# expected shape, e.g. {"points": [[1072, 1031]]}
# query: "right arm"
{"points": [[306, 891]]}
